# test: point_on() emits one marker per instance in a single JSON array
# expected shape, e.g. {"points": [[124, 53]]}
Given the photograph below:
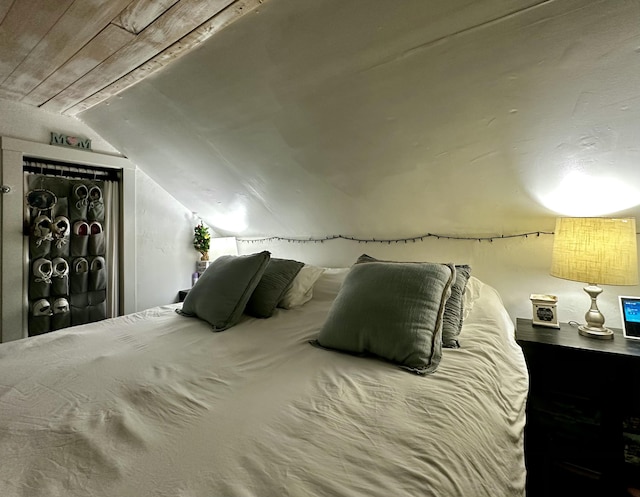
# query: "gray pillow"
{"points": [[275, 281], [222, 292], [393, 311], [452, 323], [453, 311]]}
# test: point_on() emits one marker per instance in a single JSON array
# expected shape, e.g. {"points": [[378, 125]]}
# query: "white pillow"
{"points": [[301, 290], [470, 295], [329, 283]]}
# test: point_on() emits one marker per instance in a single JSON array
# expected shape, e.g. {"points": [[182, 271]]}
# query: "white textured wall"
{"points": [[34, 124], [164, 252], [333, 116]]}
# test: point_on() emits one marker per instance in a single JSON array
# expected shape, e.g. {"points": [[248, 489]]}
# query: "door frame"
{"points": [[14, 248]]}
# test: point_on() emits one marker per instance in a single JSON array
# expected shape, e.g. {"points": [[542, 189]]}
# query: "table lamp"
{"points": [[218, 246], [222, 246], [596, 251]]}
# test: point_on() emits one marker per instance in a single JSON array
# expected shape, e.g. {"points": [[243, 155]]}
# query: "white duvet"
{"points": [[155, 404]]}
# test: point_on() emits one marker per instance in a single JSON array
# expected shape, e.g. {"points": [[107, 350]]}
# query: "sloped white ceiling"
{"points": [[378, 118]]}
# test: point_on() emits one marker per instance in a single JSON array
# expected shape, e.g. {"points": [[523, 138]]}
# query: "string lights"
{"points": [[389, 241]]}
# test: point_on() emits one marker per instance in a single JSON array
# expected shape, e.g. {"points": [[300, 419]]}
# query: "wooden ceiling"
{"points": [[69, 55]]}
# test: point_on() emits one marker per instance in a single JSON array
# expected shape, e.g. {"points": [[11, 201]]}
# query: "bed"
{"points": [[156, 404]]}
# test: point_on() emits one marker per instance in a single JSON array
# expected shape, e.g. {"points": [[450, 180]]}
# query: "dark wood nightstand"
{"points": [[583, 413], [182, 294]]}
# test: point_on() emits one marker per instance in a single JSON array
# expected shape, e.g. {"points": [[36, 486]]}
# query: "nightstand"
{"points": [[182, 294], [583, 412]]}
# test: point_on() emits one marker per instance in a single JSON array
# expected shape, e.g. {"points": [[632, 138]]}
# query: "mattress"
{"points": [[156, 404]]}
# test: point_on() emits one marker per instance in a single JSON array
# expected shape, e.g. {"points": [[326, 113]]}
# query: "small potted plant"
{"points": [[201, 240]]}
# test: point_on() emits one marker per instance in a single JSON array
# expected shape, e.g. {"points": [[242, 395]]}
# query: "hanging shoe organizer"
{"points": [[67, 248]]}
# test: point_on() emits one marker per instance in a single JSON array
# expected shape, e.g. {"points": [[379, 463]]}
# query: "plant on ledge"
{"points": [[201, 239]]}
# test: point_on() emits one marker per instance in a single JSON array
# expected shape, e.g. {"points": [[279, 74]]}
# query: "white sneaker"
{"points": [[60, 267], [78, 201], [42, 229], [60, 306], [80, 265], [98, 274], [95, 194], [61, 229], [81, 228], [79, 195], [42, 270], [41, 307], [95, 210], [97, 264], [95, 228]]}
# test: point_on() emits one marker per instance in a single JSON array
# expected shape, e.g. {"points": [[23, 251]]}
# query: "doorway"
{"points": [[72, 223]]}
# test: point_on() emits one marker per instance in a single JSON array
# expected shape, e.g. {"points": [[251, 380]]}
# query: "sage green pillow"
{"points": [[453, 311], [222, 292], [393, 311], [275, 281]]}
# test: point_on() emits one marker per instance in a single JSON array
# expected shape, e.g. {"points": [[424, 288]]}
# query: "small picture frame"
{"points": [[545, 312], [630, 314]]}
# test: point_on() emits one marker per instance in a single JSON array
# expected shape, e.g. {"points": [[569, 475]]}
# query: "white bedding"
{"points": [[155, 404]]}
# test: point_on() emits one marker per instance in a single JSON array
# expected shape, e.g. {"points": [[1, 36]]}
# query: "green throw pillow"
{"points": [[275, 281], [393, 311], [453, 311], [222, 292]]}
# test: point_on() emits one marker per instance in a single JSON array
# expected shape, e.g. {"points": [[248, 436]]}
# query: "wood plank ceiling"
{"points": [[69, 55]]}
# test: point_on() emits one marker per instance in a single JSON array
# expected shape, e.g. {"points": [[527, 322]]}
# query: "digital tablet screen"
{"points": [[630, 312]]}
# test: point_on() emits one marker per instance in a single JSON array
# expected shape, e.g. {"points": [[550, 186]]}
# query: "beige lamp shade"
{"points": [[595, 250], [222, 246]]}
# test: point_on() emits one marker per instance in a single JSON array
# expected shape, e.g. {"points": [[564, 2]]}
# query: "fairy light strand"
{"points": [[389, 241]]}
